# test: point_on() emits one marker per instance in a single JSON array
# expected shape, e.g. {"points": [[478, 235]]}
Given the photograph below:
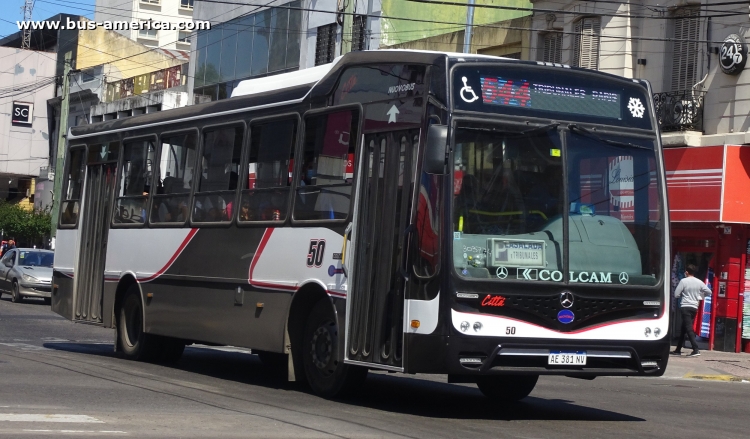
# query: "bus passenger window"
{"points": [[135, 182], [220, 167], [265, 191], [325, 186], [73, 185], [177, 161]]}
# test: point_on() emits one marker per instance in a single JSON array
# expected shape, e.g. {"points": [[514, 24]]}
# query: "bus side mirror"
{"points": [[436, 154]]}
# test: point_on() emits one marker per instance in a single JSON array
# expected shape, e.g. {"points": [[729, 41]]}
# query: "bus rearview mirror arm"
{"points": [[436, 154]]}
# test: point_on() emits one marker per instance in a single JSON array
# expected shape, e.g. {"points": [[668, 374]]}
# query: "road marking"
{"points": [[26, 347], [77, 431], [14, 417], [712, 377]]}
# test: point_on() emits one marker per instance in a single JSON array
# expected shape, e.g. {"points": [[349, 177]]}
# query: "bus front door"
{"points": [[381, 229], [97, 213]]}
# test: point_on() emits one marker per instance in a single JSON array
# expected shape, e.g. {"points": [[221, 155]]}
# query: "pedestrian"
{"points": [[690, 291]]}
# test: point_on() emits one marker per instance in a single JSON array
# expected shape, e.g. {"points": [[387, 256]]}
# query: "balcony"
{"points": [[679, 110], [149, 82]]}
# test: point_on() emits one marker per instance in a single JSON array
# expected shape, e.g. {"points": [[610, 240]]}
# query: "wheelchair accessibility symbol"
{"points": [[466, 90]]}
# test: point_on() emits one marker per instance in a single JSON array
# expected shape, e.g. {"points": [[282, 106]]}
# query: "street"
{"points": [[60, 379]]}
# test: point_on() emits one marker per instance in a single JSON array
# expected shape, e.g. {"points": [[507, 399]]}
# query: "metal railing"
{"points": [[679, 110]]}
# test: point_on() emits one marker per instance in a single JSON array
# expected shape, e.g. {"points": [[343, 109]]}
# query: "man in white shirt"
{"points": [[692, 290]]}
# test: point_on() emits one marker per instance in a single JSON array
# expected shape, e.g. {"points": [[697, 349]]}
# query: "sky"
{"points": [[43, 9]]}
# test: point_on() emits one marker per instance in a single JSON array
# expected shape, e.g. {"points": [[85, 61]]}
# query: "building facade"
{"points": [[27, 81], [693, 53], [162, 11]]}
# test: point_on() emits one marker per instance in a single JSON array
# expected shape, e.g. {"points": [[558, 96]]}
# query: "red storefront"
{"points": [[709, 208]]}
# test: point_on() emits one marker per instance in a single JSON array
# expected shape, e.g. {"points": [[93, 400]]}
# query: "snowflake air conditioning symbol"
{"points": [[636, 107]]}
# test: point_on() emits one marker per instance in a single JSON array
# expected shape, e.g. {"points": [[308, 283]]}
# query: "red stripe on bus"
{"points": [[169, 263], [256, 256]]}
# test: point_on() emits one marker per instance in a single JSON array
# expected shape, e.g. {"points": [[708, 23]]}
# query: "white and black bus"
{"points": [[421, 212]]}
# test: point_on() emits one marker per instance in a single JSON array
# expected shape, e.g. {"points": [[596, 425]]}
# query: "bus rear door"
{"points": [[381, 229], [97, 212]]}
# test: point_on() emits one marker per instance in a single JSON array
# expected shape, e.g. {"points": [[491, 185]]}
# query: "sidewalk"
{"points": [[711, 365]]}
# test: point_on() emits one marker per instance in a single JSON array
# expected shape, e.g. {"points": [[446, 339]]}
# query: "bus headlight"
{"points": [[464, 326], [647, 332], [477, 326], [28, 278], [657, 332]]}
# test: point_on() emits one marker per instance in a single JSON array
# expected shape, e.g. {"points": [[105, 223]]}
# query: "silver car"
{"points": [[27, 272]]}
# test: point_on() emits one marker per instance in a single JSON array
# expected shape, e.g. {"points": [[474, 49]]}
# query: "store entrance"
{"points": [[704, 261]]}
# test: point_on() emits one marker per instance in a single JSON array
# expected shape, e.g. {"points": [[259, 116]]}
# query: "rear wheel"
{"points": [[135, 344], [507, 388], [17, 296], [326, 373]]}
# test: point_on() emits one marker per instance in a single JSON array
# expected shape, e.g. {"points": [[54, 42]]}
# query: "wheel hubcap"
{"points": [[321, 347]]}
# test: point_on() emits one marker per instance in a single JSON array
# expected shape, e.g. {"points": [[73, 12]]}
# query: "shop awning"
{"points": [[708, 183]]}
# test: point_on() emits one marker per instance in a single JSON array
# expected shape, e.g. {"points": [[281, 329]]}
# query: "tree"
{"points": [[28, 227]]}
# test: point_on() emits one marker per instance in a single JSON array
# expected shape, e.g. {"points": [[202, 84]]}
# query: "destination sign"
{"points": [[552, 93]]}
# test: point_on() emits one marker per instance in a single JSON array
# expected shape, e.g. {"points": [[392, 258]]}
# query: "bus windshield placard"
{"points": [[537, 91]]}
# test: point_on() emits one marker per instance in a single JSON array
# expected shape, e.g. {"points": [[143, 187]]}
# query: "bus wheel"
{"points": [[326, 373], [135, 344], [507, 388]]}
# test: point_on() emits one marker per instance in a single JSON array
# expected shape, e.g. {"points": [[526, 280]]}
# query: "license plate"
{"points": [[559, 358]]}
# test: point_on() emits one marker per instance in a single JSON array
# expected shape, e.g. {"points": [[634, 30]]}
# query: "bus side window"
{"points": [[70, 205], [220, 165], [177, 161], [325, 186], [265, 190], [135, 182]]}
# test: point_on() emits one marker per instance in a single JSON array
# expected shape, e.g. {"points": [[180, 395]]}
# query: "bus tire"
{"points": [[327, 374], [135, 343], [507, 388]]}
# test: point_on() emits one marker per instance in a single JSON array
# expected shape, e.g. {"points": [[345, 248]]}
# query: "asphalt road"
{"points": [[60, 379]]}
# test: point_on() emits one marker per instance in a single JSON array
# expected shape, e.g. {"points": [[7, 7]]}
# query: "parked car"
{"points": [[27, 272]]}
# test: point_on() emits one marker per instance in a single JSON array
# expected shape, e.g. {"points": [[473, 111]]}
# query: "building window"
{"points": [[186, 4], [150, 34], [184, 37], [550, 49], [151, 2], [325, 45], [586, 43], [359, 31], [88, 75], [685, 49]]}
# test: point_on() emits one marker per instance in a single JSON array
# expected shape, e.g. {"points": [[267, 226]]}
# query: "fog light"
{"points": [[477, 326], [464, 326], [657, 332], [647, 332]]}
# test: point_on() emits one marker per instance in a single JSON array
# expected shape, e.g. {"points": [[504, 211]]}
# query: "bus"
{"points": [[488, 219]]}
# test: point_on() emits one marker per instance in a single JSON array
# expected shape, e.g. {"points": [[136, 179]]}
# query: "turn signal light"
{"points": [[415, 324]]}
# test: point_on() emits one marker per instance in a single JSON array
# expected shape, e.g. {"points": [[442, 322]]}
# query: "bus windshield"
{"points": [[510, 201]]}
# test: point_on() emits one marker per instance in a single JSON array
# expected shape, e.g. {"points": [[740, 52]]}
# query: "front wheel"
{"points": [[326, 373], [507, 388], [135, 344], [17, 296]]}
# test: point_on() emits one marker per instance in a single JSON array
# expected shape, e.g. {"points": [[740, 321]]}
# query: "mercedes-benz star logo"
{"points": [[566, 299], [501, 272], [624, 278]]}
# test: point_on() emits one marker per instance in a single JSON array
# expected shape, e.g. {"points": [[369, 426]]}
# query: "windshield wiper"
{"points": [[534, 130], [587, 133]]}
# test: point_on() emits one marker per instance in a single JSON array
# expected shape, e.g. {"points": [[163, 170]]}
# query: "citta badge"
{"points": [[733, 55]]}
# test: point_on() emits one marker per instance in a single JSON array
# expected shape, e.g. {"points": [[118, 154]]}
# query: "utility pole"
{"points": [[347, 30], [61, 146], [469, 26], [26, 36]]}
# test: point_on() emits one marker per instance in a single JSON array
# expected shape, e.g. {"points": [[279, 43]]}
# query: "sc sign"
{"points": [[22, 113]]}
